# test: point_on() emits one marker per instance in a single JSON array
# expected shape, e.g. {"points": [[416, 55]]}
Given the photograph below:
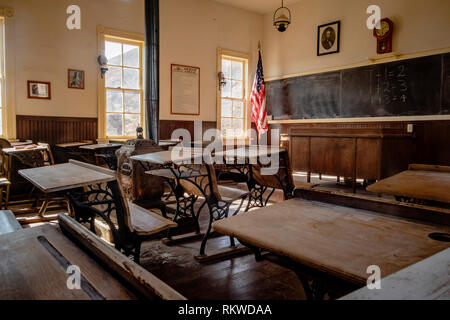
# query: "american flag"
{"points": [[258, 98]]}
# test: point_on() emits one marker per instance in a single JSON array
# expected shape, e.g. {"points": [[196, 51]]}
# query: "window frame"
{"points": [[105, 34], [3, 78], [242, 57], [8, 62]]}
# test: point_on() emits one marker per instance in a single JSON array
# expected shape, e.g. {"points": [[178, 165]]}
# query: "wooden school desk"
{"points": [[426, 280], [34, 264], [424, 182], [332, 242]]}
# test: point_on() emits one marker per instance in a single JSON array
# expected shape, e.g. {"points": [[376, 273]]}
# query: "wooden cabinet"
{"points": [[357, 153]]}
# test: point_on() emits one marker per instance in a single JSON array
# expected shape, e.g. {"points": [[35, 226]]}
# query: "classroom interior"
{"points": [[224, 149]]}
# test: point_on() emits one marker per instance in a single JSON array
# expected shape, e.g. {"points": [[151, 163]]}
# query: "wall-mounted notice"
{"points": [[185, 90]]}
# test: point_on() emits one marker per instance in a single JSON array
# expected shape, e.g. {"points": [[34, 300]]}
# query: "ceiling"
{"points": [[259, 6]]}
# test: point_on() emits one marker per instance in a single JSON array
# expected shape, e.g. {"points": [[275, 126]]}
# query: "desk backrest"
{"points": [[427, 167], [136, 276], [282, 180]]}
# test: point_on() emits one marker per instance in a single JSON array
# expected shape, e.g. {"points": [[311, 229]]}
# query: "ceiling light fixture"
{"points": [[282, 18]]}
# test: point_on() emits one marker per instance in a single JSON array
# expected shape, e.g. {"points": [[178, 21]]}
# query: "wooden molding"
{"points": [[367, 119], [393, 57]]}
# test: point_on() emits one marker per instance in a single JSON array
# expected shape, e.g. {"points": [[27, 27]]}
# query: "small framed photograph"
{"points": [[75, 79], [39, 90], [328, 38]]}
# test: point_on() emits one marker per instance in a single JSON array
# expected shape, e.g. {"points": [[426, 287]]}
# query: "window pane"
{"points": [[114, 125], [226, 68], [132, 102], [226, 127], [226, 108], [114, 101], [237, 69], [226, 89], [236, 89], [114, 77], [131, 123], [130, 56], [131, 78], [238, 109], [113, 52], [238, 125]]}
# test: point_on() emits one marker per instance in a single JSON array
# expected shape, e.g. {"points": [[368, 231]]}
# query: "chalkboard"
{"points": [[410, 87]]}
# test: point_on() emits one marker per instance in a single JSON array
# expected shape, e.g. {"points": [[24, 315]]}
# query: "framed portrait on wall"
{"points": [[39, 90], [75, 79], [185, 90], [328, 38]]}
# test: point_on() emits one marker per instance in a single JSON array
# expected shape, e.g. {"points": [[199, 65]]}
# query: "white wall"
{"points": [[44, 49], [418, 26], [191, 32]]}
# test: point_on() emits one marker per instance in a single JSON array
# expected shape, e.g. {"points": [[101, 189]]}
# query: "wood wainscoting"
{"points": [[54, 130], [431, 142]]}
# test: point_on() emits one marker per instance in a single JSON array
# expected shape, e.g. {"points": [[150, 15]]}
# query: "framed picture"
{"points": [[328, 38], [185, 90], [39, 90], [75, 79]]}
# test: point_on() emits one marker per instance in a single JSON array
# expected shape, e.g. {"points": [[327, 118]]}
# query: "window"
{"points": [[232, 111], [123, 86]]}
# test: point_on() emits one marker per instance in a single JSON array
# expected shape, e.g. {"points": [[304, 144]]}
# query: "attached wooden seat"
{"points": [[4, 182], [145, 222], [129, 223], [228, 194], [8, 222]]}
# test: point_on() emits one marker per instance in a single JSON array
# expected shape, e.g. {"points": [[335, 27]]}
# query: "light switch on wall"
{"points": [[410, 128]]}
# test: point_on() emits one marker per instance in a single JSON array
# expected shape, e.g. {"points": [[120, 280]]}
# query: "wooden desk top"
{"points": [[338, 240], [168, 143], [419, 182], [73, 144], [177, 155], [25, 148], [66, 176], [32, 269], [101, 146], [251, 152], [426, 280], [21, 143]]}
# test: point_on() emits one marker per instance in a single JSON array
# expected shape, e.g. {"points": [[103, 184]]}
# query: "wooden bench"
{"points": [[8, 222], [225, 194]]}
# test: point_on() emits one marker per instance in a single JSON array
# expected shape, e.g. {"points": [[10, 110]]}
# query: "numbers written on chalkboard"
{"points": [[391, 85]]}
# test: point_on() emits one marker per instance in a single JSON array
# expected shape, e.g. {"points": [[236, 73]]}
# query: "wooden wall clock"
{"points": [[384, 36]]}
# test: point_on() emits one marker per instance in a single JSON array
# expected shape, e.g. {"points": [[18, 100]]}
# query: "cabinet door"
{"points": [[334, 156], [368, 159], [299, 153]]}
